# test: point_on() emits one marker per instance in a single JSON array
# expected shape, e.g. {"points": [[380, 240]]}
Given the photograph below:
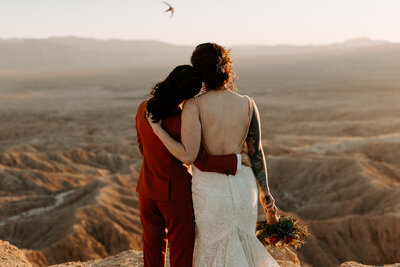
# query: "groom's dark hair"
{"points": [[182, 83]]}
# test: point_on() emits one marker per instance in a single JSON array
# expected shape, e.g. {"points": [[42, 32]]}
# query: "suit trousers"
{"points": [[166, 222]]}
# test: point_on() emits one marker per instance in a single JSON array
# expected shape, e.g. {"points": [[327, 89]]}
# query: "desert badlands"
{"points": [[69, 160]]}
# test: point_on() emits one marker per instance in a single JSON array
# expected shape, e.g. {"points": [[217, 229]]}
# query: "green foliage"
{"points": [[287, 231]]}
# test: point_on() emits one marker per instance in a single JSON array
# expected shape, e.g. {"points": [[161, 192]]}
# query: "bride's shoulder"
{"points": [[189, 109], [249, 101], [239, 95], [245, 98], [189, 104]]}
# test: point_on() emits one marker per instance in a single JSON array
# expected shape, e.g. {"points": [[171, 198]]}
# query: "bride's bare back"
{"points": [[223, 121], [225, 118]]}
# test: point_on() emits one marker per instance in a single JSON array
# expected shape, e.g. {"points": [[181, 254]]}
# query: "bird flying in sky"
{"points": [[170, 9]]}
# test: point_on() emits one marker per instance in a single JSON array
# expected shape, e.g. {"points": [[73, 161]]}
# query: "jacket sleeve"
{"points": [[211, 163], [139, 140]]}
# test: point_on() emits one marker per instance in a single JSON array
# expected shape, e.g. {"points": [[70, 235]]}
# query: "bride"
{"points": [[225, 206]]}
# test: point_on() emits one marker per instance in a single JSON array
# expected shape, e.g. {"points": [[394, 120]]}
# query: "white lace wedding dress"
{"points": [[225, 208]]}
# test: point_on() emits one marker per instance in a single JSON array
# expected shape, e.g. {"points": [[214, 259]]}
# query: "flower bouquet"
{"points": [[281, 232]]}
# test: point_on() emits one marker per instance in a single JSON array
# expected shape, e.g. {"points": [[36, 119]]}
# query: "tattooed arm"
{"points": [[257, 158]]}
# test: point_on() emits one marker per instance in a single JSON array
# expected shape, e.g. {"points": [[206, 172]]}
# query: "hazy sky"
{"points": [[227, 22]]}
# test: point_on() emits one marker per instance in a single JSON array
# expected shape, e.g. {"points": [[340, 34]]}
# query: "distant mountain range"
{"points": [[363, 41], [72, 53]]}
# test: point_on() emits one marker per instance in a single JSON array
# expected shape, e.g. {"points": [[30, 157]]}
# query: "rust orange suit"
{"points": [[164, 189]]}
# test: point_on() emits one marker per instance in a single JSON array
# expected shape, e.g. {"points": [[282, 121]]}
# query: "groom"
{"points": [[164, 187]]}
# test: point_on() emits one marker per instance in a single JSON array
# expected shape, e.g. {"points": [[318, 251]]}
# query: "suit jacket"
{"points": [[164, 177]]}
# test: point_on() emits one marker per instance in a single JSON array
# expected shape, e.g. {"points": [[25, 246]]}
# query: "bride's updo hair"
{"points": [[183, 83], [215, 65]]}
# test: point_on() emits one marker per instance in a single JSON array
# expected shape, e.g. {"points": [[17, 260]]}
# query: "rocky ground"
{"points": [[13, 257]]}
